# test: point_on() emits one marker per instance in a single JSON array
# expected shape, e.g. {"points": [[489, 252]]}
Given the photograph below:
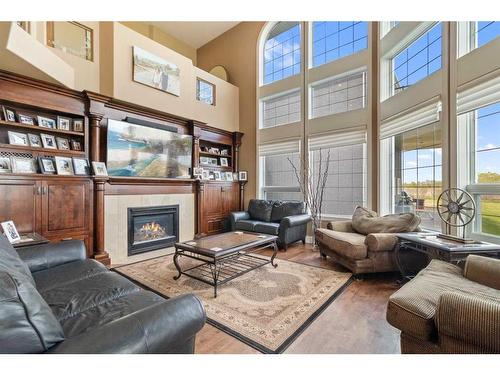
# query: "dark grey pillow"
{"points": [[10, 259], [282, 209], [260, 209], [27, 324]]}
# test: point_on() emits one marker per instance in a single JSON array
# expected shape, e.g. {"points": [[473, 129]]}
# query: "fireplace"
{"points": [[152, 228]]}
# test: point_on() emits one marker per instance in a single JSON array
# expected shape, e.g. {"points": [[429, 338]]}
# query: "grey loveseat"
{"points": [[286, 219], [54, 300]]}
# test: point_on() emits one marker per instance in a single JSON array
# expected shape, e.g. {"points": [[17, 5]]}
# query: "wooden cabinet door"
{"points": [[213, 204], [65, 207], [20, 203], [231, 198]]}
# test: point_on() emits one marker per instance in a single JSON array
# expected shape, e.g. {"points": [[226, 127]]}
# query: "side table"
{"points": [[30, 239]]}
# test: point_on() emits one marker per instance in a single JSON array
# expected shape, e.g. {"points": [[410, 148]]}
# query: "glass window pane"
{"points": [[72, 38], [281, 110], [489, 214], [205, 91]]}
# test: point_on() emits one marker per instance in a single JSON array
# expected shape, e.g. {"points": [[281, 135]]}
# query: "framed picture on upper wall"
{"points": [[153, 71]]}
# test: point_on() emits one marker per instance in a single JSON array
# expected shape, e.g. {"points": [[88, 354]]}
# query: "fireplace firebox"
{"points": [[152, 228]]}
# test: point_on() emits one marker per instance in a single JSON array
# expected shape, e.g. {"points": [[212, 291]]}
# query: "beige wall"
{"points": [[236, 51]]}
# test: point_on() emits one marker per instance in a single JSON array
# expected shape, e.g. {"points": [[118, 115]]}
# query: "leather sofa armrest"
{"points": [[483, 270], [293, 221], [470, 319], [340, 226], [237, 216], [381, 241], [158, 329], [41, 257]]}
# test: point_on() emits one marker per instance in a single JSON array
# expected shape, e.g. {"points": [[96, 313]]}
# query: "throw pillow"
{"points": [[260, 210], [365, 221]]}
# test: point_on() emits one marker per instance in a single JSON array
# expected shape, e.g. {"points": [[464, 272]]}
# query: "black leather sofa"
{"points": [[285, 219], [54, 300]]}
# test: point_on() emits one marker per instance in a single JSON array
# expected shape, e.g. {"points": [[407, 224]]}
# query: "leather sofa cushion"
{"points": [[67, 273], [73, 298], [11, 260], [267, 228], [349, 245], [365, 221], [282, 209], [108, 311], [260, 209], [27, 325], [246, 225], [413, 307]]}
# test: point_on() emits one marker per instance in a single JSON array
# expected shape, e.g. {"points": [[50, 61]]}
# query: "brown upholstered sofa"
{"points": [[447, 310], [360, 244]]}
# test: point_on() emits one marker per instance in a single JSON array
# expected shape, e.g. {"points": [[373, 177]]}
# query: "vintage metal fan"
{"points": [[456, 208]]}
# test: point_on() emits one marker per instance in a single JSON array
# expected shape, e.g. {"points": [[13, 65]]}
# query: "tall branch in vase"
{"points": [[312, 183]]}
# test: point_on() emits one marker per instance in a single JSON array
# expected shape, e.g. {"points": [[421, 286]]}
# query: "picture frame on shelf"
{"points": [[81, 166], [235, 176], [224, 162], [62, 143], [213, 161], [204, 160], [5, 164], [18, 139], [242, 176], [224, 152], [217, 176], [211, 175], [48, 141], [34, 140], [46, 122], [78, 125], [22, 165], [64, 166], [47, 165], [214, 150], [63, 123], [26, 119], [229, 176], [197, 172], [205, 174], [99, 168], [75, 145], [10, 231], [9, 114]]}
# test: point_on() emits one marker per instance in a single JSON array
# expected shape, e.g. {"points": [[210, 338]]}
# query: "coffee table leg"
{"points": [[275, 252], [176, 263]]}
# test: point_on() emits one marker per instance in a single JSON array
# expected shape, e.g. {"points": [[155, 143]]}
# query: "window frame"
{"points": [[214, 96], [264, 189], [50, 37]]}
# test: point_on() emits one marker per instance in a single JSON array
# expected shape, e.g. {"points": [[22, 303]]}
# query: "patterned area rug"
{"points": [[266, 308]]}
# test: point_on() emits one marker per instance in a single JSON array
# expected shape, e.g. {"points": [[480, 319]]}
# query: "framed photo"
{"points": [[46, 122], [99, 168], [229, 176], [235, 176], [25, 119], [9, 114], [10, 231], [211, 175], [16, 138], [63, 123], [62, 143], [47, 164], [76, 146], [204, 160], [213, 161], [81, 166], [78, 125], [242, 176], [5, 164], [224, 151], [223, 162], [197, 172], [34, 140], [64, 165], [217, 176], [48, 141], [205, 175], [214, 150], [22, 165]]}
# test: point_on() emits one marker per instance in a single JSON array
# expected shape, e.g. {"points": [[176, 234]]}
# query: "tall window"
{"points": [[334, 40], [419, 60], [71, 37], [282, 52], [481, 127], [472, 35], [414, 165], [280, 109]]}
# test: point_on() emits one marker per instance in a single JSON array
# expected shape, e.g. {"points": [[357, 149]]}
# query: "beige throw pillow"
{"points": [[365, 221]]}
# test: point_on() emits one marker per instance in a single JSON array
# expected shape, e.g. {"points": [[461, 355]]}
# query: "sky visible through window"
{"points": [[487, 31], [417, 61], [488, 143], [334, 40]]}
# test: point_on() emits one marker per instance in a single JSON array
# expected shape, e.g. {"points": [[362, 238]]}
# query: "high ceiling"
{"points": [[195, 34]]}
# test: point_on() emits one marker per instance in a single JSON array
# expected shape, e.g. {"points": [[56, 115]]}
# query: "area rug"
{"points": [[267, 308]]}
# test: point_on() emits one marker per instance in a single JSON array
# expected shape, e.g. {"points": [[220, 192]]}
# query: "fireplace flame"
{"points": [[151, 231]]}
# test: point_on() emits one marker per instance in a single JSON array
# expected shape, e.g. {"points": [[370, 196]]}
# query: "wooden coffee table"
{"points": [[223, 257]]}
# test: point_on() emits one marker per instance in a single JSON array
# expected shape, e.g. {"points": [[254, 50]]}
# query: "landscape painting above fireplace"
{"points": [[142, 151]]}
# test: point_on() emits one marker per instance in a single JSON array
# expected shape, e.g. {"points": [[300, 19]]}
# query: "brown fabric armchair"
{"points": [[447, 310]]}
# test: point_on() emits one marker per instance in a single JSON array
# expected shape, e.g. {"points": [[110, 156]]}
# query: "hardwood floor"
{"points": [[353, 323]]}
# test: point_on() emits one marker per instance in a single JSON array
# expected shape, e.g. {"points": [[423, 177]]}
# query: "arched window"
{"points": [[282, 52]]}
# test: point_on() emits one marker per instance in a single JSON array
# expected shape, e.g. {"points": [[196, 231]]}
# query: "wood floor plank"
{"points": [[353, 323]]}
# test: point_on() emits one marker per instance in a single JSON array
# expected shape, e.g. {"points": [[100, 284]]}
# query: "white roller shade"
{"points": [[478, 96], [411, 119], [286, 147], [337, 138]]}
